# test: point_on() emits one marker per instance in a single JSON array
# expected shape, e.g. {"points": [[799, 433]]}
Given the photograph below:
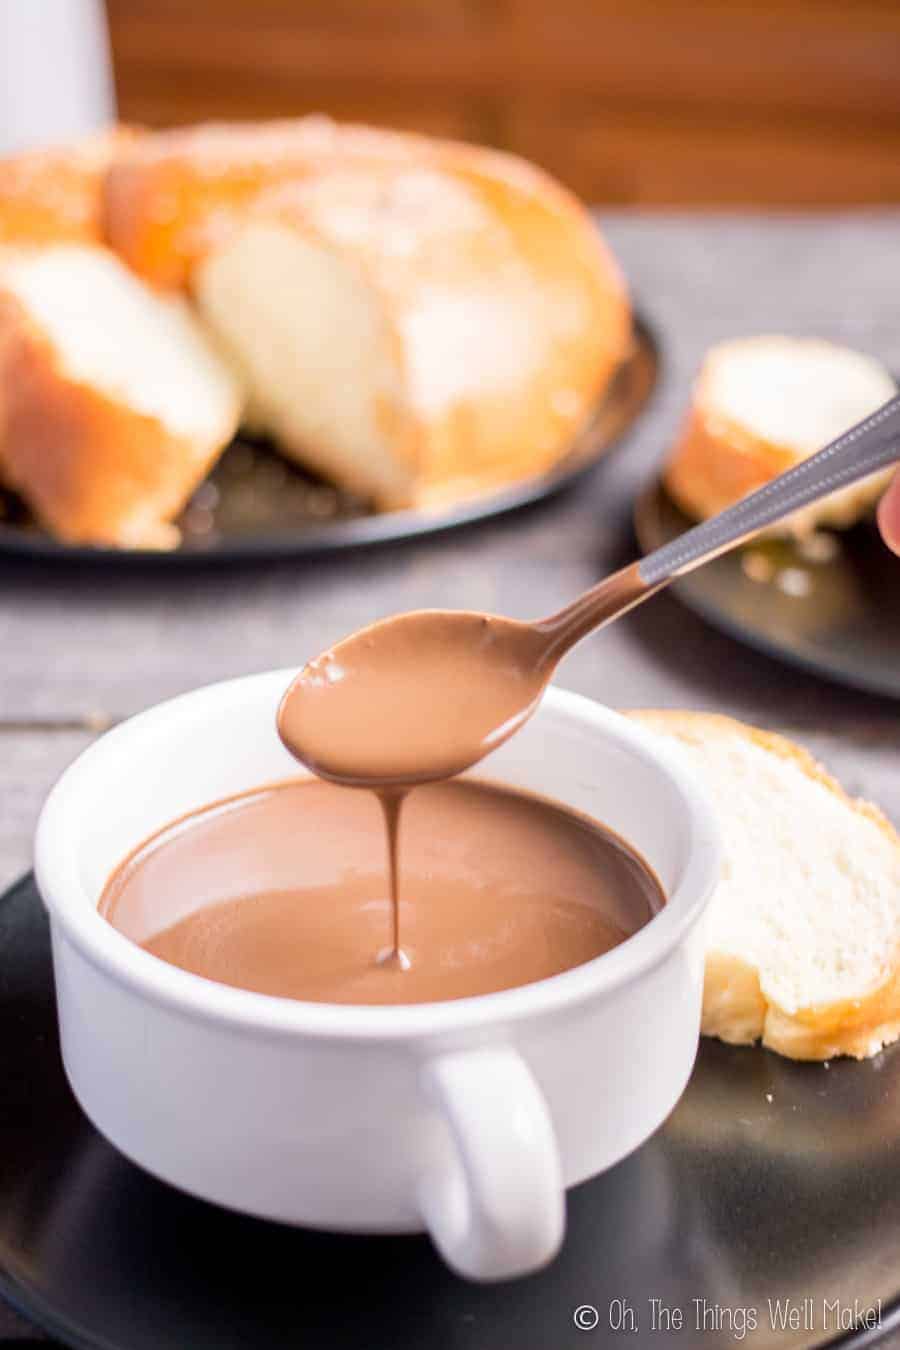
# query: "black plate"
{"points": [[828, 605], [255, 504], [771, 1180]]}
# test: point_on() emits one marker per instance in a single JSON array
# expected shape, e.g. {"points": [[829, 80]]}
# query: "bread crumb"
{"points": [[819, 547], [794, 581], [98, 721], [757, 567]]}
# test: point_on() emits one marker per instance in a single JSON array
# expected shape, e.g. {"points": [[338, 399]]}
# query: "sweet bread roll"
{"points": [[418, 331], [803, 936], [761, 405], [113, 404], [175, 193], [55, 195]]}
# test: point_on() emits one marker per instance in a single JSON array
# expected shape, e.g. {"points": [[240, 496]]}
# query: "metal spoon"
{"points": [[425, 695]]}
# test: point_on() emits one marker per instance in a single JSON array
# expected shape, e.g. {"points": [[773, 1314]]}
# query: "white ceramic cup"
{"points": [[465, 1118]]}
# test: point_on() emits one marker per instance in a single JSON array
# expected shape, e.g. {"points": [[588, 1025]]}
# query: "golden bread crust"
{"points": [[489, 438], [92, 469], [171, 195], [715, 462], [177, 193], [735, 1008], [55, 195]]}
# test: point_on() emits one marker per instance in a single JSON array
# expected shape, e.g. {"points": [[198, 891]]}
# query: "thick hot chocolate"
{"points": [[413, 699], [283, 890], [423, 696]]}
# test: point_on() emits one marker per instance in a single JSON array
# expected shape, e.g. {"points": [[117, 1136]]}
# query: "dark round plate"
{"points": [[828, 605], [255, 504], [770, 1181]]}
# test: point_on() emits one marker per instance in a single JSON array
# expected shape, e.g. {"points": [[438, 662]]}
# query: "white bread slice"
{"points": [[761, 405], [319, 357], [803, 938], [114, 403], [414, 332]]}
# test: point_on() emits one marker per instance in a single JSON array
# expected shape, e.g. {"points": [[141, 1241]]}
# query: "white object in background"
{"points": [[465, 1118], [55, 72]]}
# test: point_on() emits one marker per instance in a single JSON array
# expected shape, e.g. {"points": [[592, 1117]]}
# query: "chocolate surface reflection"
{"points": [[284, 891]]}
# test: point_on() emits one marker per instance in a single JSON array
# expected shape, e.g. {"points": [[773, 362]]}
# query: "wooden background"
{"points": [[661, 102]]}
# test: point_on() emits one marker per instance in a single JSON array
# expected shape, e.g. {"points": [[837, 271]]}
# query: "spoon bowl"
{"points": [[415, 698]]}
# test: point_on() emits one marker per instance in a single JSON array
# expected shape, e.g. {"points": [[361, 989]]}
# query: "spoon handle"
{"points": [[872, 444]]}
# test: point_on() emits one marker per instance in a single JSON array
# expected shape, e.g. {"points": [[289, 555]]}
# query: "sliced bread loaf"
{"points": [[803, 939], [113, 403], [760, 405], [417, 332]]}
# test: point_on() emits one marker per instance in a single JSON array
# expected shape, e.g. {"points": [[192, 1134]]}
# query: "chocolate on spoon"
{"points": [[426, 695]]}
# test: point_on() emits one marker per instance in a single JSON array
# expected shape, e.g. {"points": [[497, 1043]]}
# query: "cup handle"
{"points": [[497, 1209]]}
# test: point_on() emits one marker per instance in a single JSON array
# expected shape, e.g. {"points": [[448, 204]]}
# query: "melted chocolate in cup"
{"points": [[283, 891]]}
